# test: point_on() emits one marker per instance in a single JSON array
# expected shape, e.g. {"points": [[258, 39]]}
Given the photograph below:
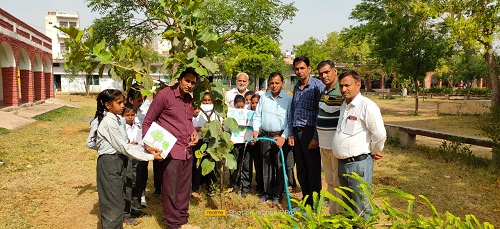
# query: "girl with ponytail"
{"points": [[114, 151]]}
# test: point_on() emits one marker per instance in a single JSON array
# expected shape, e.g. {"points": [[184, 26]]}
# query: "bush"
{"points": [[395, 90], [392, 217]]}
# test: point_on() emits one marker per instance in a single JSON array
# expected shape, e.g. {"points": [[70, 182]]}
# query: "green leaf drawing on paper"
{"points": [[157, 135], [165, 145]]}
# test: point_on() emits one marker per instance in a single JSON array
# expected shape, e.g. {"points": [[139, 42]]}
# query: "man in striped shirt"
{"points": [[326, 124]]}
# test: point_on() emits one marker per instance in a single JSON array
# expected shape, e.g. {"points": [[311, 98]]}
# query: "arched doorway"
{"points": [[39, 78], [25, 83], [8, 79]]}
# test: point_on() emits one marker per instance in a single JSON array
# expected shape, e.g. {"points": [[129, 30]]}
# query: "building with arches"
{"points": [[25, 61]]}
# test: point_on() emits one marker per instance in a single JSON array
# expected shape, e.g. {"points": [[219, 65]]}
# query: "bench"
{"points": [[407, 136]]}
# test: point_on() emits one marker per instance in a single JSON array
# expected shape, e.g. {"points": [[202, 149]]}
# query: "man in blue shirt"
{"points": [[302, 121], [271, 119]]}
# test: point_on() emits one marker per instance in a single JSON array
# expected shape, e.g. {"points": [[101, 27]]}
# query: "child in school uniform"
{"points": [[139, 168], [199, 119], [241, 178], [114, 149], [254, 149]]}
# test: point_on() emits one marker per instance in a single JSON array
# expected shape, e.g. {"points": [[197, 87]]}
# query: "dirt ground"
{"points": [[48, 176]]}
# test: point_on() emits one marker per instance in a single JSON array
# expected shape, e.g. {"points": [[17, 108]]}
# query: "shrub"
{"points": [[393, 218]]}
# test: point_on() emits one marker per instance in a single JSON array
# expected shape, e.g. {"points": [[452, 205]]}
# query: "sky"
{"points": [[315, 18]]}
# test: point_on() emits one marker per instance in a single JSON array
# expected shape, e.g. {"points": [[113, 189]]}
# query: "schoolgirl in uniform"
{"points": [[114, 149]]}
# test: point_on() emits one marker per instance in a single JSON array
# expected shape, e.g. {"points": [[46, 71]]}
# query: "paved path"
{"points": [[14, 117]]}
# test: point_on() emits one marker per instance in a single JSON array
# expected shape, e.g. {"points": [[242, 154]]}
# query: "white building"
{"points": [[60, 19], [65, 82]]}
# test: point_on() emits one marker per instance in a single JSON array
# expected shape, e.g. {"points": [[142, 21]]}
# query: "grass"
{"points": [[48, 179]]}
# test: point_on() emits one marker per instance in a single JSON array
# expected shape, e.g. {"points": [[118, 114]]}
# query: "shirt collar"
{"points": [[356, 100], [270, 94], [110, 114], [335, 86]]}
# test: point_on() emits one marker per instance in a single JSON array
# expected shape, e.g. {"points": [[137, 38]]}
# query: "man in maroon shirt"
{"points": [[172, 109]]}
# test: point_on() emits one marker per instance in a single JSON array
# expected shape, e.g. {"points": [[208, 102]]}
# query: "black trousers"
{"points": [[290, 163], [256, 153], [273, 175], [157, 176], [308, 162], [111, 170], [241, 178]]}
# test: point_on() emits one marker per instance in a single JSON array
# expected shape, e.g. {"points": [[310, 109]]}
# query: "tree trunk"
{"points": [[368, 84], [489, 56], [415, 81], [124, 86], [87, 85]]}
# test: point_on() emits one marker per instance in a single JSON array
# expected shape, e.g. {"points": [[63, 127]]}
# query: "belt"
{"points": [[353, 159], [272, 134], [301, 128]]}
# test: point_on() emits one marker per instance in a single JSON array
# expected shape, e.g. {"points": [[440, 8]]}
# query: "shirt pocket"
{"points": [[351, 127]]}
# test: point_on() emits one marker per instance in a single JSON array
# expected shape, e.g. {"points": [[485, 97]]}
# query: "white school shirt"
{"points": [[360, 129], [112, 139], [134, 132], [231, 94]]}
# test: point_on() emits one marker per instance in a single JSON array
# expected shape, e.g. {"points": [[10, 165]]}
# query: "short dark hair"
{"points": [[256, 96], [239, 99], [301, 59], [249, 93], [326, 62], [128, 107], [274, 74], [187, 71], [352, 73]]}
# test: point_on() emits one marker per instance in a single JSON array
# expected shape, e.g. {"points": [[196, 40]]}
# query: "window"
{"points": [[56, 65], [93, 79], [63, 23], [72, 23]]}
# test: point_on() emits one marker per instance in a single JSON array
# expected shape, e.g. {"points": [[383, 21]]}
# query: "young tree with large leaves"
{"points": [[405, 36]]}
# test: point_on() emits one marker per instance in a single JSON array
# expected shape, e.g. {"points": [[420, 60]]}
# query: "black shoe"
{"points": [[139, 214], [157, 193]]}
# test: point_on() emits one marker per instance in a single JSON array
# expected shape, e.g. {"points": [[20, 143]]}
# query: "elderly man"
{"points": [[241, 89], [359, 139], [304, 136], [328, 117]]}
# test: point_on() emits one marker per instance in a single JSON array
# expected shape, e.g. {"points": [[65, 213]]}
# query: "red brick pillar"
{"points": [[27, 88], [39, 86], [440, 83], [10, 90], [480, 83], [49, 85], [428, 80]]}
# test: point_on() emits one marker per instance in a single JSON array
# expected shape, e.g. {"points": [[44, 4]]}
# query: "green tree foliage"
{"points": [[258, 56], [248, 17], [475, 24], [406, 36], [314, 49]]}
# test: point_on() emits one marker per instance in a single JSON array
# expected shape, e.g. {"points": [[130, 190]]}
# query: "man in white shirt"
{"points": [[241, 89], [359, 139]]}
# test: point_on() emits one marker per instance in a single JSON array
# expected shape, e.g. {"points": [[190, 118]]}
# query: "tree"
{"points": [[228, 18], [258, 56], [313, 48], [194, 45], [475, 24], [405, 36]]}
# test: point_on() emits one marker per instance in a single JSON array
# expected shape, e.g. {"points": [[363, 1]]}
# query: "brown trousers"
{"points": [[176, 190]]}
